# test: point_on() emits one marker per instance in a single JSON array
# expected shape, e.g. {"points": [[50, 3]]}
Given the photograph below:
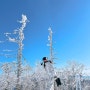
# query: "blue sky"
{"points": [[69, 20]]}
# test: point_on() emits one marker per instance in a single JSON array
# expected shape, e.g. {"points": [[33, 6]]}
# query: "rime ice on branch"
{"points": [[20, 43], [50, 44]]}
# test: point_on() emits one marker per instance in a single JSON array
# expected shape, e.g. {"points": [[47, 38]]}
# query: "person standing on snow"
{"points": [[45, 60], [48, 66], [49, 70]]}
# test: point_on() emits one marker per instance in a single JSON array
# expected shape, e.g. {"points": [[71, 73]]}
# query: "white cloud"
{"points": [[1, 41]]}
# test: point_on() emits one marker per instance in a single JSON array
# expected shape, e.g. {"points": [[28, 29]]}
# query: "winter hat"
{"points": [[44, 58]]}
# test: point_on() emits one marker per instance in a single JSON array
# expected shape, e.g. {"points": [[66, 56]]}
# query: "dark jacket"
{"points": [[44, 63], [58, 81]]}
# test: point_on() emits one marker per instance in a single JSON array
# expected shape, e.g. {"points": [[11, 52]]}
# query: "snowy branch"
{"points": [[7, 50]]}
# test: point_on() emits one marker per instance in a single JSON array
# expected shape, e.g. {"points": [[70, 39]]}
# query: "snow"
{"points": [[86, 71], [12, 39]]}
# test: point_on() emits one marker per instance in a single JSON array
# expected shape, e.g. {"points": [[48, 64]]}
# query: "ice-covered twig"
{"points": [[7, 50], [23, 21], [15, 31], [12, 39]]}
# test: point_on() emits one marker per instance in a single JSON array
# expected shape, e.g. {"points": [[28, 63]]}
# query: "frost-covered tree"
{"points": [[20, 43], [19, 37], [8, 76], [71, 75], [50, 44]]}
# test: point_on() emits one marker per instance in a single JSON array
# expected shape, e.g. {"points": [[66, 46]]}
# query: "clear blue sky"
{"points": [[69, 20]]}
